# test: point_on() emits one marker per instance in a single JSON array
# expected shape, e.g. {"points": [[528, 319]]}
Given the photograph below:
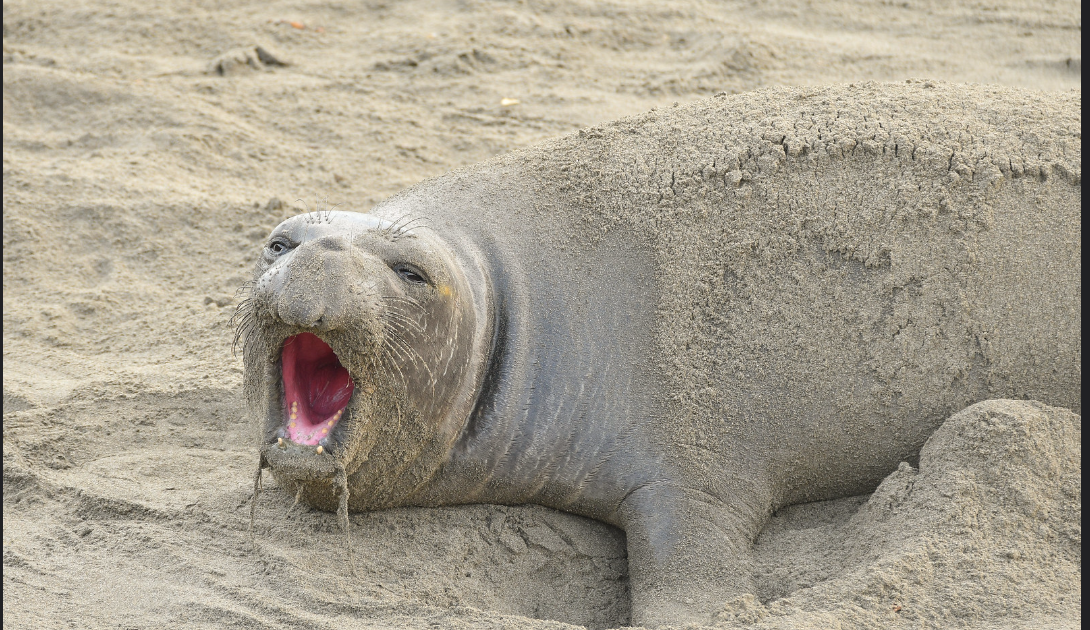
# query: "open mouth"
{"points": [[317, 389]]}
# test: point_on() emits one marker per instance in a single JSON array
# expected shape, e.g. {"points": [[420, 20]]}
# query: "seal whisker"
{"points": [[247, 319], [385, 358], [407, 355], [403, 344], [395, 348], [388, 230], [402, 222], [399, 298], [397, 324], [415, 222], [376, 361], [246, 288], [244, 303], [388, 302], [403, 320], [414, 316], [418, 325], [242, 309], [329, 212], [405, 299], [395, 330], [250, 346], [401, 226], [397, 308], [243, 331], [390, 361], [308, 214], [403, 230], [414, 357]]}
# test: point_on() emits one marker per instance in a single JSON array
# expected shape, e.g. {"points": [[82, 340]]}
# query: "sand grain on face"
{"points": [[137, 188]]}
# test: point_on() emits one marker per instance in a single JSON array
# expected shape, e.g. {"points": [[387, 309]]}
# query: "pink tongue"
{"points": [[317, 388]]}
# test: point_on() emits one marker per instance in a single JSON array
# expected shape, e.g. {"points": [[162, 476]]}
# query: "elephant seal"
{"points": [[679, 322]]}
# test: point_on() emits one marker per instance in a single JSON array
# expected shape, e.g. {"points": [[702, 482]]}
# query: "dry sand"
{"points": [[137, 187]]}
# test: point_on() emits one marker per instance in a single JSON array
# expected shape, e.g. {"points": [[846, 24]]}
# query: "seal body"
{"points": [[680, 322]]}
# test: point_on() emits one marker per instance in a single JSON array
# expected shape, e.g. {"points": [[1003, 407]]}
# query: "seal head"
{"points": [[364, 345]]}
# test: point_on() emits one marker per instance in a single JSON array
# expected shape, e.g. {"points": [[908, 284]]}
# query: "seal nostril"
{"points": [[294, 311]]}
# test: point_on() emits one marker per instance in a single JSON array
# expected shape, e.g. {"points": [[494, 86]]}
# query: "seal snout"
{"points": [[317, 285], [317, 389], [302, 313]]}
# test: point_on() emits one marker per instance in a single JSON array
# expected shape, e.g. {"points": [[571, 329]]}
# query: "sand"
{"points": [[148, 150]]}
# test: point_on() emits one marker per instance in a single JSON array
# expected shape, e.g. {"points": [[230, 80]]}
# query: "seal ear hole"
{"points": [[410, 273]]}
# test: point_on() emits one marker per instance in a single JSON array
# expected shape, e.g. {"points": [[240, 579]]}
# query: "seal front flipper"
{"points": [[688, 552]]}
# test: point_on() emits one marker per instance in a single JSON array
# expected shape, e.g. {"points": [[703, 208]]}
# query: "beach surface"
{"points": [[149, 149]]}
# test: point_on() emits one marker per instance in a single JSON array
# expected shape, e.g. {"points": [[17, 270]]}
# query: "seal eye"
{"points": [[411, 274], [278, 246]]}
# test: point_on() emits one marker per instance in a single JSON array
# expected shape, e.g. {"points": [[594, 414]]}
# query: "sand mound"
{"points": [[137, 185], [986, 533]]}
